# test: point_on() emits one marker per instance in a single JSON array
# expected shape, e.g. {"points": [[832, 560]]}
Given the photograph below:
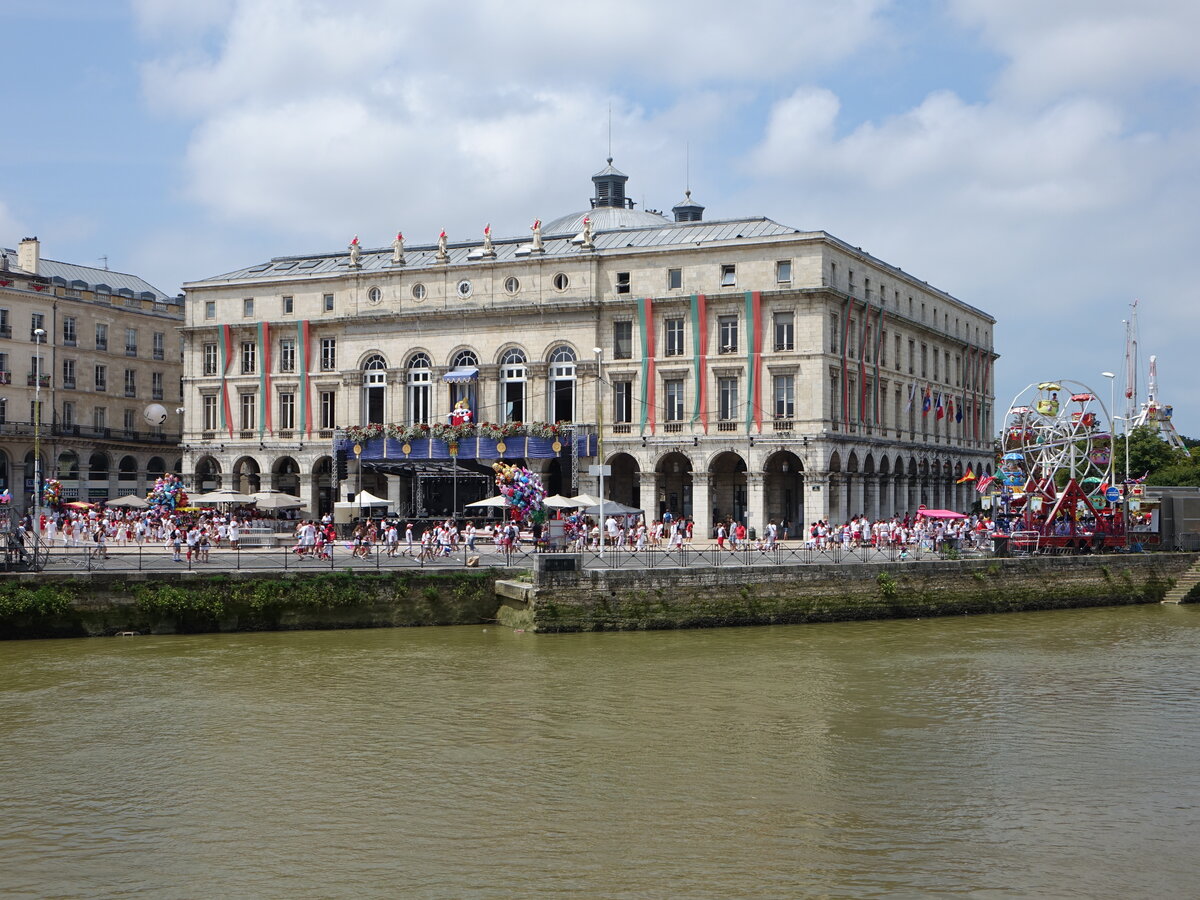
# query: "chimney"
{"points": [[29, 254]]}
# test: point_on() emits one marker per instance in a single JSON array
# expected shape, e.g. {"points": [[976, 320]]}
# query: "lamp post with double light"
{"points": [[599, 351], [38, 335]]}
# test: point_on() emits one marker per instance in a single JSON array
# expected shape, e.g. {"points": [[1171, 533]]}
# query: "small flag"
{"points": [[941, 412], [984, 484], [926, 402], [912, 395], [970, 476], [958, 412]]}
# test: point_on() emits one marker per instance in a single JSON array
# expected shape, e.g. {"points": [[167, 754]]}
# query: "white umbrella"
{"points": [[558, 501], [225, 495], [611, 508], [585, 500], [497, 502], [277, 500], [132, 501]]}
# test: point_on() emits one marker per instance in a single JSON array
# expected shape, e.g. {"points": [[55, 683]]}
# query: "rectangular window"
{"points": [[130, 382], [674, 279], [68, 413], [248, 307], [99, 418], [68, 373], [130, 420], [210, 359], [727, 399], [912, 356], [622, 340], [210, 309], [785, 396], [727, 334], [936, 357], [852, 350], [249, 357], [785, 331], [328, 419], [674, 335], [328, 354], [924, 361], [728, 276], [883, 342], [3, 410], [131, 341], [835, 401], [35, 411], [835, 332], [156, 385], [288, 306], [287, 355], [101, 337], [70, 337], [622, 402], [249, 408], [674, 390], [5, 371], [897, 353], [287, 410], [327, 301], [209, 402], [623, 283], [101, 374], [36, 321], [159, 345], [783, 271]]}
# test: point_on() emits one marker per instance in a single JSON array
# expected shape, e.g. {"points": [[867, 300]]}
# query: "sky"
{"points": [[1037, 160]]}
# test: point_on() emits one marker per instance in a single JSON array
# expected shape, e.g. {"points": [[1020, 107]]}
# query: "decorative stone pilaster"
{"points": [[756, 504], [702, 502]]}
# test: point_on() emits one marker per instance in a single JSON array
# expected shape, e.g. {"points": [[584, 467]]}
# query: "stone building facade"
{"points": [[95, 348], [734, 367]]}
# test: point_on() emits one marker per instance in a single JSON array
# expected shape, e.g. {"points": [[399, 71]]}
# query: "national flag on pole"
{"points": [[970, 476], [926, 402], [984, 484], [941, 411], [958, 415], [912, 396]]}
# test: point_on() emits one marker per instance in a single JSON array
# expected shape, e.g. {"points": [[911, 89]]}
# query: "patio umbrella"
{"points": [[132, 501], [79, 504], [940, 514], [225, 495], [558, 501], [277, 500], [497, 502], [585, 500], [611, 508]]}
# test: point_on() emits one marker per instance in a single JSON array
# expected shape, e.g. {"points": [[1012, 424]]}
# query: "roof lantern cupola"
{"points": [[610, 188], [687, 209]]}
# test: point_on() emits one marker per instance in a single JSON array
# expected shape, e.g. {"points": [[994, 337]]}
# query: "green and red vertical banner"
{"points": [[303, 340], [754, 359], [646, 324], [226, 362], [264, 378], [863, 328], [700, 359], [846, 307], [878, 350]]}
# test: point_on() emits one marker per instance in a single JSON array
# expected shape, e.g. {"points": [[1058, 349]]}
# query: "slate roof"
{"points": [[91, 276], [563, 244]]}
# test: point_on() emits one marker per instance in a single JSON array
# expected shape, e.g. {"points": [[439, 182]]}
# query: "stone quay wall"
{"points": [[603, 600]]}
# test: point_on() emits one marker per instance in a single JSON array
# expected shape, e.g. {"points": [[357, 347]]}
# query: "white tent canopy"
{"points": [[225, 495], [497, 502], [366, 498]]}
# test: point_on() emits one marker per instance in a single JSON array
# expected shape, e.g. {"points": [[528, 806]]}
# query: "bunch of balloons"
{"points": [[52, 492], [168, 493], [522, 488]]}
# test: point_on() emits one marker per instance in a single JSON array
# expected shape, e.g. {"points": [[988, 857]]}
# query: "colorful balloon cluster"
{"points": [[522, 488], [168, 493], [52, 492]]}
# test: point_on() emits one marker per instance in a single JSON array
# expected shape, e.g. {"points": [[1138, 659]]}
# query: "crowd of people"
{"points": [[190, 535]]}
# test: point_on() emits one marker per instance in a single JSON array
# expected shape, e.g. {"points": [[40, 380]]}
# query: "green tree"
{"points": [[1147, 453]]}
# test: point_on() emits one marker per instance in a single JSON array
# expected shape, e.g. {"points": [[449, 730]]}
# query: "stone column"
{"points": [[701, 504], [870, 492], [648, 491], [756, 502], [854, 494]]}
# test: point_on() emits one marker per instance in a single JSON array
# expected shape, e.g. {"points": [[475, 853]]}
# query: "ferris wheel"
{"points": [[1057, 430]]}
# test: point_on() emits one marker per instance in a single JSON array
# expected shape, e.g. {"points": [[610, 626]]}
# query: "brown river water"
{"points": [[1050, 754]]}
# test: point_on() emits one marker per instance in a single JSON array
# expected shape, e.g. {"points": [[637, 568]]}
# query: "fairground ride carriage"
{"points": [[1055, 471]]}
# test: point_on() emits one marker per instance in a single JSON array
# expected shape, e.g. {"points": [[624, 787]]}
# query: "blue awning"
{"points": [[461, 373]]}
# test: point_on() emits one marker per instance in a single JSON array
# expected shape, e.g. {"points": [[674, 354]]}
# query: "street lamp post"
{"points": [[1112, 408], [38, 334], [599, 351]]}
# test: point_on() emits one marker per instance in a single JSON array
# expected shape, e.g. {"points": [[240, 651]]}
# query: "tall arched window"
{"points": [[464, 389], [420, 378], [513, 375], [374, 390], [562, 384]]}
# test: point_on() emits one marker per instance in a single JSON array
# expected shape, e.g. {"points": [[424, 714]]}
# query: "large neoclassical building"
{"points": [[730, 367]]}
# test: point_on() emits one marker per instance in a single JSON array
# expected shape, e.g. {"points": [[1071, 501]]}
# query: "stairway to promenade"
{"points": [[1186, 582]]}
